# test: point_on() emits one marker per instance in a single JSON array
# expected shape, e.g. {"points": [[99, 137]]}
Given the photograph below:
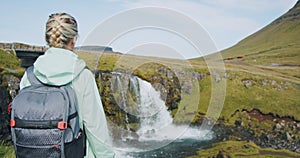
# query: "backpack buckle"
{"points": [[9, 108], [62, 125], [12, 123]]}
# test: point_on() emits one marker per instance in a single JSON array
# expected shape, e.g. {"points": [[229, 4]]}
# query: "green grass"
{"points": [[278, 97], [89, 57], [8, 60], [187, 108], [242, 149], [7, 151], [284, 102]]}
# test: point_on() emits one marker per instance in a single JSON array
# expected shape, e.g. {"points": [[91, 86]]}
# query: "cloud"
{"points": [[213, 17], [228, 21]]}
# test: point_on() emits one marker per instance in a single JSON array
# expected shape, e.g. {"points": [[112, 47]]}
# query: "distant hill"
{"points": [[278, 43], [95, 48], [22, 46]]}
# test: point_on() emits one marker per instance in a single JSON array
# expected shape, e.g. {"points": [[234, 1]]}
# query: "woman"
{"points": [[60, 66]]}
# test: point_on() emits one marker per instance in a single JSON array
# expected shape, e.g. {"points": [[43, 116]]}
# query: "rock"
{"points": [[250, 124], [199, 76], [217, 78], [273, 83], [247, 83], [288, 136], [248, 117], [13, 85], [238, 122], [227, 75], [269, 137], [4, 116], [264, 83], [246, 146], [278, 87], [278, 126], [222, 154]]}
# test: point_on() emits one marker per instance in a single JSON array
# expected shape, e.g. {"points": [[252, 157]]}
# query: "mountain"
{"points": [[95, 48], [276, 44]]}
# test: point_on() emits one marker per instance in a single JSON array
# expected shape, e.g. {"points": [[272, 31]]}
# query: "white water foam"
{"points": [[156, 121]]}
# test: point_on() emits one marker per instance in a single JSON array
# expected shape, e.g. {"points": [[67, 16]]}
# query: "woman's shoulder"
{"points": [[86, 74], [84, 80]]}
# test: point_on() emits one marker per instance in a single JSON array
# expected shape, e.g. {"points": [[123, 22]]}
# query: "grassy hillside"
{"points": [[272, 51], [277, 43], [271, 54]]}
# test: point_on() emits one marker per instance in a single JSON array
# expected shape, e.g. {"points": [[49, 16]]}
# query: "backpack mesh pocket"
{"points": [[38, 137], [30, 152]]}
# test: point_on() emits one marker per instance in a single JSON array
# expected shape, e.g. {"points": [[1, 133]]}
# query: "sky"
{"points": [[145, 27]]}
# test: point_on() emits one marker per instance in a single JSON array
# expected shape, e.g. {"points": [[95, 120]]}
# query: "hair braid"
{"points": [[60, 29]]}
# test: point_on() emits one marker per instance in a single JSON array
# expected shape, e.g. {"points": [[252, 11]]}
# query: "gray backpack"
{"points": [[44, 121]]}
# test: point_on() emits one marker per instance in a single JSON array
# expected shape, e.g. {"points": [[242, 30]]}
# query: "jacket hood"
{"points": [[58, 67]]}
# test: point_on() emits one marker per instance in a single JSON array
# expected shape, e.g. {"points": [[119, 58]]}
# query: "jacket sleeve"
{"points": [[24, 81], [94, 120]]}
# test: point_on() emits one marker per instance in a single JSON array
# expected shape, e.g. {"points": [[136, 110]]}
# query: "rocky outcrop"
{"points": [[8, 89], [284, 135], [277, 139], [248, 82], [164, 81], [4, 117], [112, 103], [171, 83]]}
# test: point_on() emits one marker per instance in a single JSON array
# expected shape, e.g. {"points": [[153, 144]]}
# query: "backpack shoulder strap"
{"points": [[31, 77]]}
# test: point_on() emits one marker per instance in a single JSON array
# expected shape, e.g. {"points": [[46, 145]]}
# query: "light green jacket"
{"points": [[60, 66]]}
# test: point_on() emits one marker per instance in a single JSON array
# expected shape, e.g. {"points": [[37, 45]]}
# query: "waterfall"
{"points": [[134, 87], [155, 122], [119, 89], [152, 111]]}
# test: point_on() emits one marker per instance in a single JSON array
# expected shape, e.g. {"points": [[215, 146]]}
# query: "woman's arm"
{"points": [[93, 117]]}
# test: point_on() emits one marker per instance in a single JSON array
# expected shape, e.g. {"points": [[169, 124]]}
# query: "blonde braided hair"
{"points": [[61, 28]]}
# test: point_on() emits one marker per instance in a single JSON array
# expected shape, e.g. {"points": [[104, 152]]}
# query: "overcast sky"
{"points": [[225, 21]]}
